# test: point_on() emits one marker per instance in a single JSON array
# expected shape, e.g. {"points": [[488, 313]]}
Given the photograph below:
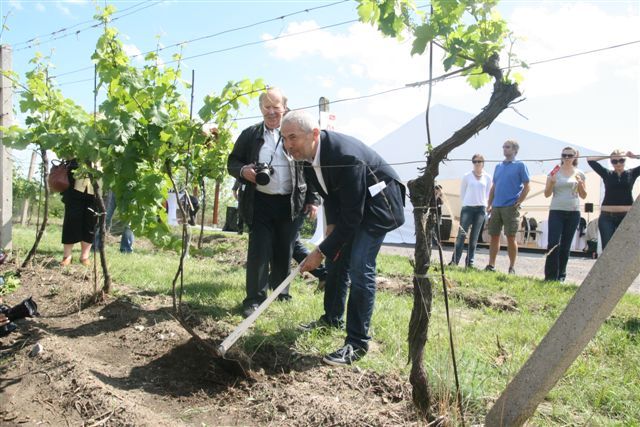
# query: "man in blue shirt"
{"points": [[510, 188]]}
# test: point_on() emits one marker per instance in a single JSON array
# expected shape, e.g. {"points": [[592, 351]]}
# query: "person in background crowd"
{"points": [[509, 189], [566, 184], [80, 219], [127, 238], [363, 200], [618, 186], [591, 236], [238, 223], [269, 209], [474, 193]]}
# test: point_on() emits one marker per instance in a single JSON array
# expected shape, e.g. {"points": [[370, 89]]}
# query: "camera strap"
{"points": [[275, 150]]}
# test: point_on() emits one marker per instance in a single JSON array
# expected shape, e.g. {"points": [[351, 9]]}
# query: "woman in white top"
{"points": [[566, 183], [474, 194]]}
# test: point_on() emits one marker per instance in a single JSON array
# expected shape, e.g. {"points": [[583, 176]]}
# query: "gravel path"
{"points": [[527, 264]]}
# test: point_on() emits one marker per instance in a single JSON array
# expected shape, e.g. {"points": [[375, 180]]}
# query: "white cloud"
{"points": [[62, 8], [362, 62], [348, 92], [326, 81], [572, 28], [383, 59], [62, 5], [40, 7], [357, 70], [16, 4], [132, 51]]}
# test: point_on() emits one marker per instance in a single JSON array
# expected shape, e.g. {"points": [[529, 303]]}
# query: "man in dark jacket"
{"points": [[270, 205], [363, 200]]}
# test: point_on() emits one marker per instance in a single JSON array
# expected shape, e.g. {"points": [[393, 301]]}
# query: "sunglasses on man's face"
{"points": [[475, 162], [616, 161], [568, 156]]}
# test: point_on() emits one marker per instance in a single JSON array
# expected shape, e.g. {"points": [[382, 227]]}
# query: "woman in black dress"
{"points": [[79, 216]]}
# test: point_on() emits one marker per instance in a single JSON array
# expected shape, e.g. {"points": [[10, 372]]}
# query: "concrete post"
{"points": [[593, 302], [6, 165]]}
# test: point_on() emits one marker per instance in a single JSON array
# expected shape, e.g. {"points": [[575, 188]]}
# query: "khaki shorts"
{"points": [[507, 216]]}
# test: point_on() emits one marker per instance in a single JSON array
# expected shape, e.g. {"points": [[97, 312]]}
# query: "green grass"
{"points": [[600, 388]]}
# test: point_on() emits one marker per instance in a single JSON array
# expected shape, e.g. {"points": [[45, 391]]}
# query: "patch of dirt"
{"points": [[474, 299], [128, 362], [225, 249], [396, 284]]}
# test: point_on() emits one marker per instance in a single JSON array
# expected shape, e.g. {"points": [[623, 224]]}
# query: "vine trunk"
{"points": [[421, 193]]}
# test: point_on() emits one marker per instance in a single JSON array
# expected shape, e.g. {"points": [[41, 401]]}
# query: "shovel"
{"points": [[246, 323]]}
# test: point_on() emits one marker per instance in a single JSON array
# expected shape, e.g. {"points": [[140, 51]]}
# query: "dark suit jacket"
{"points": [[349, 169]]}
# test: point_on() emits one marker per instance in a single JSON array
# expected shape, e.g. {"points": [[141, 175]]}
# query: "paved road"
{"points": [[527, 264]]}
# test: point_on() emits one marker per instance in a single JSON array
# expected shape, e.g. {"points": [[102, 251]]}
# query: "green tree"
{"points": [[148, 138], [472, 35], [53, 122], [142, 137]]}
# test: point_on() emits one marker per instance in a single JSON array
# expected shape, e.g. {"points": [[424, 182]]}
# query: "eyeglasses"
{"points": [[271, 109], [616, 161], [506, 146], [475, 162], [568, 156]]}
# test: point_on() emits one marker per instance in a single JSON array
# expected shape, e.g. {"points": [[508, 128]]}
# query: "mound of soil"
{"points": [[127, 361]]}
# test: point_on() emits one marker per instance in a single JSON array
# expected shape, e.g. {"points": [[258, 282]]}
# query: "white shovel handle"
{"points": [[246, 323]]}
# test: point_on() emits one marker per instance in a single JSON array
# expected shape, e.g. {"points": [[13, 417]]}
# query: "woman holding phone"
{"points": [[566, 184], [618, 185]]}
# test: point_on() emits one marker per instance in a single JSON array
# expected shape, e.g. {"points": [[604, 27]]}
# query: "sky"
{"points": [[317, 48]]}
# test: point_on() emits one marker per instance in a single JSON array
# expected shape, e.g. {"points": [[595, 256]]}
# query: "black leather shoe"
{"points": [[248, 311], [344, 356], [284, 297]]}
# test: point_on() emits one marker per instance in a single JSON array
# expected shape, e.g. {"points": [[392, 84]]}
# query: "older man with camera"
{"points": [[272, 195]]}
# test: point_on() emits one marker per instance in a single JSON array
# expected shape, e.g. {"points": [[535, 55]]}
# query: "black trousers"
{"points": [[270, 246], [300, 252]]}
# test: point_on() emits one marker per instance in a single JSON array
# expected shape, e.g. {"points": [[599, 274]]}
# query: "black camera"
{"points": [[263, 173], [27, 308]]}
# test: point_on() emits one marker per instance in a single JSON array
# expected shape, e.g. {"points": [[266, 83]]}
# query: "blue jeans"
{"points": [[336, 286], [126, 240], [470, 216], [608, 224], [562, 228], [362, 271]]}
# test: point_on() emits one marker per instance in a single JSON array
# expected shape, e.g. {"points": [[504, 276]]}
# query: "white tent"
{"points": [[407, 144]]}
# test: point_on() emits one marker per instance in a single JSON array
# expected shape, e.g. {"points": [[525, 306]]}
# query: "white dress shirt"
{"points": [[280, 182], [315, 164]]}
